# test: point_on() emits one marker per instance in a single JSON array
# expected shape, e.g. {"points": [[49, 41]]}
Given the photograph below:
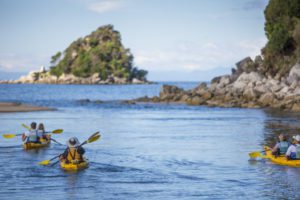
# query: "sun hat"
{"points": [[297, 138], [73, 142]]}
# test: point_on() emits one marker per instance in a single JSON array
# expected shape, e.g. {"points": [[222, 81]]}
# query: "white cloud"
{"points": [[191, 56], [22, 63], [104, 6]]}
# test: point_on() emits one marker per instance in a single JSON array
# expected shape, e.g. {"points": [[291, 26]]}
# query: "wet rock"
{"points": [[267, 99], [195, 101]]}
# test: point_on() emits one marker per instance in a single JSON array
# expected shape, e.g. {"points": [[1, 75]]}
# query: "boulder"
{"points": [[296, 107], [168, 92], [294, 74], [245, 65], [267, 99], [225, 80], [137, 81], [250, 77], [249, 94], [196, 100], [261, 89]]}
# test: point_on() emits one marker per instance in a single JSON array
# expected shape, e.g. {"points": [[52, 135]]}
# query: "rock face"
{"points": [[243, 88]]}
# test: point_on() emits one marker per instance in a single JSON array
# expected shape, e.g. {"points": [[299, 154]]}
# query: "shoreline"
{"points": [[10, 107]]}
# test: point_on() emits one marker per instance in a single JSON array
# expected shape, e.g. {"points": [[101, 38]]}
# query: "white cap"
{"points": [[296, 137]]}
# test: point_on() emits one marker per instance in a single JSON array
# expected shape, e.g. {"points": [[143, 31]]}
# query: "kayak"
{"points": [[74, 166], [281, 160], [32, 145]]}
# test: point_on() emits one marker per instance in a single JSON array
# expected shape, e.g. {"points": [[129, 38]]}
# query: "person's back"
{"points": [[41, 133], [31, 135], [282, 146], [74, 152], [293, 151]]}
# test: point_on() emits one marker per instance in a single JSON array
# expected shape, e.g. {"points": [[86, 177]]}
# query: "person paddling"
{"points": [[74, 152], [282, 146], [42, 136], [31, 135], [293, 152]]}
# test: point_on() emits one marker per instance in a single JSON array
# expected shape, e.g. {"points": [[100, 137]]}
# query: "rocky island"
{"points": [[98, 58], [271, 80]]}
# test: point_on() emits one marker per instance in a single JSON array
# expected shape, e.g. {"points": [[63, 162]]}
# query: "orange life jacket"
{"points": [[74, 155]]}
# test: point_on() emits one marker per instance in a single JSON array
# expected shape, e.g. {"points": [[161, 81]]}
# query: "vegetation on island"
{"points": [[100, 52], [282, 28]]}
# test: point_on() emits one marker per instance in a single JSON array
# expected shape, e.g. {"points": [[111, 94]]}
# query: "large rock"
{"points": [[168, 92], [245, 65], [249, 94], [267, 99], [294, 74], [196, 100], [250, 77]]}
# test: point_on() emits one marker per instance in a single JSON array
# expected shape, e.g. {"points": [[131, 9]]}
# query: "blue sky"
{"points": [[186, 40]]}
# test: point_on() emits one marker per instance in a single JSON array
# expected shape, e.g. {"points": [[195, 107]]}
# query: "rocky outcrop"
{"points": [[46, 78], [246, 87]]}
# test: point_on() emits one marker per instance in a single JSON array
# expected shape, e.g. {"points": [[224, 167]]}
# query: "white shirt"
{"points": [[291, 149]]}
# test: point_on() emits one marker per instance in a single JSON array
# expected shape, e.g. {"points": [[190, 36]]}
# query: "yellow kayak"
{"points": [[32, 145], [281, 160], [74, 166]]}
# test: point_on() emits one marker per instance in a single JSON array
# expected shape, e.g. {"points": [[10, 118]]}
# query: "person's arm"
{"points": [[24, 137], [288, 152], [275, 148], [65, 154], [80, 150]]}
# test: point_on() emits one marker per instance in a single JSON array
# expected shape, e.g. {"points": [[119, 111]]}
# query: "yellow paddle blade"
{"points": [[93, 139], [25, 126], [8, 136], [254, 154], [44, 162], [57, 131]]}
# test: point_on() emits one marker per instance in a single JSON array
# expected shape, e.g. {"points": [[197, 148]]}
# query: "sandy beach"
{"points": [[18, 107]]}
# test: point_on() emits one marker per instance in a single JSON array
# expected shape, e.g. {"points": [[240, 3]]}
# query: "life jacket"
{"points": [[283, 147], [32, 136], [297, 151], [73, 155]]}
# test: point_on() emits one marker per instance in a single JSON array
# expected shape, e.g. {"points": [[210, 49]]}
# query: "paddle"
{"points": [[256, 154], [56, 141], [91, 139], [10, 135]]}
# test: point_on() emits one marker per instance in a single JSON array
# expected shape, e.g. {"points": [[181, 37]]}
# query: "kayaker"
{"points": [[74, 152], [31, 135], [42, 133], [282, 146], [293, 152]]}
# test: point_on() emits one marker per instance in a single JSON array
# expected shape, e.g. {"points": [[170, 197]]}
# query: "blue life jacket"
{"points": [[283, 147]]}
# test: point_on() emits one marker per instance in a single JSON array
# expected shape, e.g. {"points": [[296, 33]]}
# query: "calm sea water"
{"points": [[147, 151]]}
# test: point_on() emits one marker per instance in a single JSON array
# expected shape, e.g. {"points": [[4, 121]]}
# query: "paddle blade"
{"points": [[93, 139], [57, 131], [25, 126], [44, 162], [9, 136], [254, 155]]}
